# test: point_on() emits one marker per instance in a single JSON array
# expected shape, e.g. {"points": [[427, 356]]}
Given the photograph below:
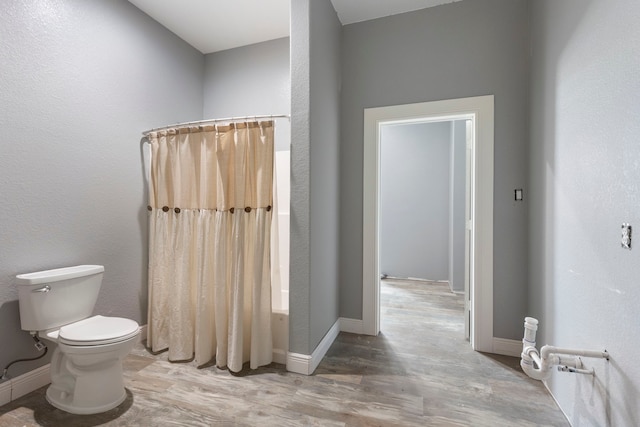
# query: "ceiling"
{"points": [[350, 11], [214, 25]]}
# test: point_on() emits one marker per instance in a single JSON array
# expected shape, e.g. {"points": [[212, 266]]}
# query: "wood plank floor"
{"points": [[420, 371]]}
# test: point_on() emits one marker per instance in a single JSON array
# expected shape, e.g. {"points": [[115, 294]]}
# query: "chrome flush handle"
{"points": [[45, 288]]}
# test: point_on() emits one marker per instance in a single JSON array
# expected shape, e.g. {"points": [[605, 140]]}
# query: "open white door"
{"points": [[468, 236]]}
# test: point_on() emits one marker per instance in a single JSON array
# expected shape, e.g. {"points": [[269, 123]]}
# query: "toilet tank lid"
{"points": [[58, 274]]}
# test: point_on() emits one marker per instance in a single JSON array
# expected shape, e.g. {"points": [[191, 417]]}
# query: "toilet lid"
{"points": [[98, 330]]}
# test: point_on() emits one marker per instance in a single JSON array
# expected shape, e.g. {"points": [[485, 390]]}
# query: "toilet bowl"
{"points": [[86, 366]]}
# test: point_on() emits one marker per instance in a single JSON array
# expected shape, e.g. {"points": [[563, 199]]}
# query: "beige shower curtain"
{"points": [[210, 203]]}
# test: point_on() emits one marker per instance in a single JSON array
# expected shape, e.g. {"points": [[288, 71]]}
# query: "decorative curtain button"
{"points": [[247, 209], [165, 209], [269, 208], [149, 208], [177, 210], [231, 210]]}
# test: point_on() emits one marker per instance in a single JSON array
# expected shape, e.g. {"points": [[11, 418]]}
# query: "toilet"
{"points": [[86, 367]]}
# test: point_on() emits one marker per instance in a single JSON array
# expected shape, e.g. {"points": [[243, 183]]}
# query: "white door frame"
{"points": [[480, 110]]}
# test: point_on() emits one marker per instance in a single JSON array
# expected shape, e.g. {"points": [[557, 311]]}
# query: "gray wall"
{"points": [[585, 176], [250, 80], [414, 200], [315, 127], [457, 229], [456, 50], [79, 83]]}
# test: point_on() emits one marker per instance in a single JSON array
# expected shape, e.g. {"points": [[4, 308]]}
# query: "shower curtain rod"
{"points": [[228, 119]]}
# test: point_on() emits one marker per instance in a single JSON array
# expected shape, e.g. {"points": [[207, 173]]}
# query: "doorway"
{"points": [[479, 111], [422, 201]]}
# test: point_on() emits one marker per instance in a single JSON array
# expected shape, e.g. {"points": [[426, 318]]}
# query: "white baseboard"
{"points": [[352, 326], [299, 363], [305, 364], [5, 392], [17, 387], [507, 347], [32, 380]]}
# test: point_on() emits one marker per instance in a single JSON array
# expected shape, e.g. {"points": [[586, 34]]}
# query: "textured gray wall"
{"points": [[250, 80], [462, 49], [585, 182], [299, 244], [315, 106], [326, 32], [414, 200], [79, 83], [457, 202]]}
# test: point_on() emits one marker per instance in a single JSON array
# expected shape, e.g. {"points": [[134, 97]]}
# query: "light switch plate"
{"points": [[625, 240]]}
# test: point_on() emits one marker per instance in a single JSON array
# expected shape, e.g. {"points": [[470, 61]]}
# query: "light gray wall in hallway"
{"points": [[79, 83], [585, 182], [250, 80], [326, 32], [457, 186], [315, 128], [462, 49], [414, 200]]}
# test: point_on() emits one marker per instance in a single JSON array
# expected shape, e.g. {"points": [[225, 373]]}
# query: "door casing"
{"points": [[481, 111]]}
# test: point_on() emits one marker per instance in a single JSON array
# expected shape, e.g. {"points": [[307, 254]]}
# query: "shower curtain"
{"points": [[210, 203]]}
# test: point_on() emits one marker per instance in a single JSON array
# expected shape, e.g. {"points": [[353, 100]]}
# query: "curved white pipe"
{"points": [[538, 365], [530, 354], [528, 357]]}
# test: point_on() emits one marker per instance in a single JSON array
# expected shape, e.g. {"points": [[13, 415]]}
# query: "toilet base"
{"points": [[64, 402], [87, 380]]}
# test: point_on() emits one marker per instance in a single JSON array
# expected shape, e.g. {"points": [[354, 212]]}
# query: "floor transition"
{"points": [[420, 371]]}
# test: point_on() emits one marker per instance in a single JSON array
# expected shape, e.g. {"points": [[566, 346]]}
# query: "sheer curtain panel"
{"points": [[210, 209]]}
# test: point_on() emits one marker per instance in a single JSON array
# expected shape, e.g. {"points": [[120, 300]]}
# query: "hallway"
{"points": [[427, 371]]}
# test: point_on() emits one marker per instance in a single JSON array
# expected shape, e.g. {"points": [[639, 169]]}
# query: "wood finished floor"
{"points": [[419, 371]]}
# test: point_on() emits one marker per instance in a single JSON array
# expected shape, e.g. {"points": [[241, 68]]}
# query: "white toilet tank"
{"points": [[52, 298]]}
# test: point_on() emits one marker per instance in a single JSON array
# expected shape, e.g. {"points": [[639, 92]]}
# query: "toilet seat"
{"points": [[96, 330]]}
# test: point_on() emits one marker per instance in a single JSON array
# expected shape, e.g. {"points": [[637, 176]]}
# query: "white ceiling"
{"points": [[214, 25], [350, 11]]}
